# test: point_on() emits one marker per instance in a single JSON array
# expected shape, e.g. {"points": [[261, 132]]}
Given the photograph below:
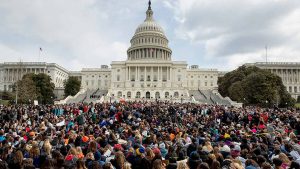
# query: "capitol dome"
{"points": [[149, 25], [149, 41]]}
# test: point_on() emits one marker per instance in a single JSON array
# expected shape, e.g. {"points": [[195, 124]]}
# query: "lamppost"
{"points": [[181, 98]]}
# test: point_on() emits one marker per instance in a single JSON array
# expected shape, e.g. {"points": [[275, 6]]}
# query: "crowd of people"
{"points": [[148, 135]]}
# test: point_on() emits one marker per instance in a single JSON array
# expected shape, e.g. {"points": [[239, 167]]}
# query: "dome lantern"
{"points": [[149, 12]]}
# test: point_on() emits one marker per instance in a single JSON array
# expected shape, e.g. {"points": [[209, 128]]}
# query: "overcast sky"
{"points": [[220, 34]]}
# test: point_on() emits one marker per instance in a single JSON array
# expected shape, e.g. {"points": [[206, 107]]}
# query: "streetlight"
{"points": [[181, 98]]}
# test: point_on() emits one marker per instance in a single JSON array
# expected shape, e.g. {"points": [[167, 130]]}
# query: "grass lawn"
{"points": [[297, 105], [4, 102]]}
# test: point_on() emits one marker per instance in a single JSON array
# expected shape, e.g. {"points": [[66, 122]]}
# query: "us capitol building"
{"points": [[149, 73]]}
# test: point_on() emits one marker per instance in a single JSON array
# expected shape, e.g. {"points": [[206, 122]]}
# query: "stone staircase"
{"points": [[200, 97], [211, 97], [97, 92]]}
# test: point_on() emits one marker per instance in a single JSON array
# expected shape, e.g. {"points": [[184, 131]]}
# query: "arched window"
{"points": [[128, 94], [176, 94], [148, 95], [167, 95], [157, 95], [138, 95], [119, 94]]}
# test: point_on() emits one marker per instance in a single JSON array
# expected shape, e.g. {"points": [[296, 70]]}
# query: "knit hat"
{"points": [[225, 148], [140, 151], [226, 136], [85, 139], [156, 151], [118, 147]]}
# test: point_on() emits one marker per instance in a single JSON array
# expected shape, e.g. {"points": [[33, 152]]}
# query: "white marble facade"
{"points": [[149, 71], [11, 72]]}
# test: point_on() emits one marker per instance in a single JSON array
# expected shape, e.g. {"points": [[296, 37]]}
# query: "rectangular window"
{"points": [[290, 89], [132, 78], [87, 83], [295, 89], [179, 78], [164, 78]]}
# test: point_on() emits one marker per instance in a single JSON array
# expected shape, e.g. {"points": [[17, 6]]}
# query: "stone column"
{"points": [[171, 74], [10, 75], [159, 54], [168, 78], [145, 78], [127, 73], [152, 74], [162, 72], [136, 53], [132, 55], [157, 73], [136, 75]]}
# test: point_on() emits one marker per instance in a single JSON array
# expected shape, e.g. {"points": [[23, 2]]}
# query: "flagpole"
{"points": [[39, 54], [266, 54]]}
